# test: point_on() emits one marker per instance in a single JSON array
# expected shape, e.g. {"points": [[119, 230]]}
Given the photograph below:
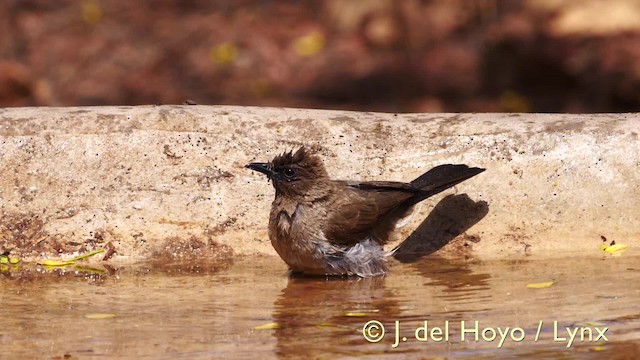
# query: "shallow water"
{"points": [[203, 313]]}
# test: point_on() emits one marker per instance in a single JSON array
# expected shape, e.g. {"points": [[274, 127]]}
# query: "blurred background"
{"points": [[376, 55]]}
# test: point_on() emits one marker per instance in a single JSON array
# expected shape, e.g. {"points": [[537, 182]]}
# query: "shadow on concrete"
{"points": [[451, 217]]}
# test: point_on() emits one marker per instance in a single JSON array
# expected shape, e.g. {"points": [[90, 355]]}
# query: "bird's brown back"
{"points": [[361, 210]]}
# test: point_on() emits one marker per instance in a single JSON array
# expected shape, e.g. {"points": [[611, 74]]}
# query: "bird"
{"points": [[325, 227]]}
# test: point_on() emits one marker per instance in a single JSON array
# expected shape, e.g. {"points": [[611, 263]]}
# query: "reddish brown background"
{"points": [[396, 56]]}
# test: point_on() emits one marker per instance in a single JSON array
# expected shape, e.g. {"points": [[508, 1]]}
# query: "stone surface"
{"points": [[158, 179]]}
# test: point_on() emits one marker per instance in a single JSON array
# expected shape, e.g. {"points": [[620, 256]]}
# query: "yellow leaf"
{"points": [[540, 285], [99, 316], [14, 260], [267, 326], [616, 248], [356, 314], [49, 262], [310, 44], [223, 54], [3, 259], [89, 254]]}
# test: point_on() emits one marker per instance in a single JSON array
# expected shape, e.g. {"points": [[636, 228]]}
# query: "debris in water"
{"points": [[100, 316], [267, 326], [111, 249], [361, 313], [49, 262], [356, 314], [540, 285], [613, 248], [89, 254], [54, 263], [5, 259]]}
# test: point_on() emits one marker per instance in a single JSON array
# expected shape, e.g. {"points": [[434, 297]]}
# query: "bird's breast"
{"points": [[283, 223], [286, 225], [294, 239]]}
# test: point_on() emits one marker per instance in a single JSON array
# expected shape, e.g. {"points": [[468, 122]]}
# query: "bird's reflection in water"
{"points": [[318, 315]]}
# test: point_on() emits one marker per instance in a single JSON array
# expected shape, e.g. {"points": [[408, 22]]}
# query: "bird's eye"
{"points": [[289, 173]]}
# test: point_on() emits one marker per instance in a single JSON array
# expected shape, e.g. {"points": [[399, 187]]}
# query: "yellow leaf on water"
{"points": [[100, 316], [615, 248], [540, 285], [49, 262], [267, 326], [356, 314]]}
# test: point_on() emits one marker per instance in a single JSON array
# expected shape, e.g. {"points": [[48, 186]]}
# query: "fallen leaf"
{"points": [[356, 314], [224, 53], [267, 326], [89, 254], [49, 262], [540, 285], [100, 316], [614, 249], [309, 45]]}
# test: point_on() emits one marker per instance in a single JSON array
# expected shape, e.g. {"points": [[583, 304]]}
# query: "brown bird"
{"points": [[321, 226]]}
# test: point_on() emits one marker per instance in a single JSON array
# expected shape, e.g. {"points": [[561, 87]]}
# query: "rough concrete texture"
{"points": [[170, 180]]}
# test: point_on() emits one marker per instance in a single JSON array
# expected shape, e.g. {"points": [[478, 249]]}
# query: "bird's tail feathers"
{"points": [[442, 177]]}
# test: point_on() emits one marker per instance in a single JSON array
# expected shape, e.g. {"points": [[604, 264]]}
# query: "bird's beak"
{"points": [[264, 168]]}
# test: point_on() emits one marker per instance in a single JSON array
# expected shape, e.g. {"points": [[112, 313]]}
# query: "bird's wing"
{"points": [[383, 185], [443, 177], [361, 209], [372, 208]]}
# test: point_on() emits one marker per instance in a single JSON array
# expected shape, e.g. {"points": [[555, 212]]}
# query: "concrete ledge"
{"points": [[154, 179]]}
